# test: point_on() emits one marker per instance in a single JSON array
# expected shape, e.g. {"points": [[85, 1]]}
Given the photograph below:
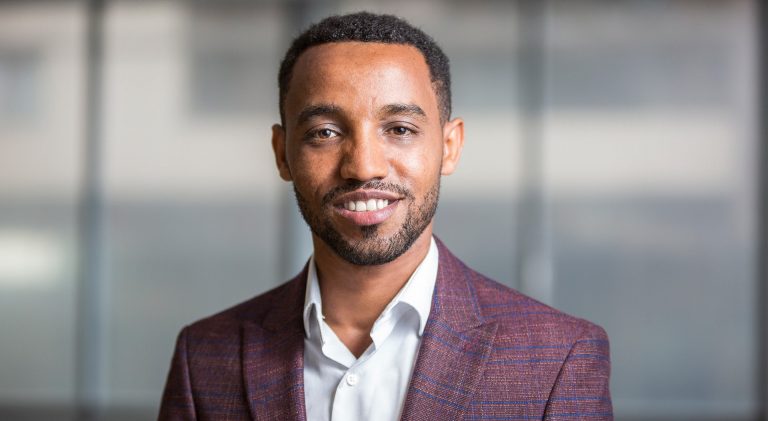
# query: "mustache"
{"points": [[365, 185]]}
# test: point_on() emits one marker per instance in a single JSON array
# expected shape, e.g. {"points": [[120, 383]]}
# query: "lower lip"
{"points": [[368, 217]]}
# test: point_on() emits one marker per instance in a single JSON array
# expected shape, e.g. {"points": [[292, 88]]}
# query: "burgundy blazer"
{"points": [[487, 353]]}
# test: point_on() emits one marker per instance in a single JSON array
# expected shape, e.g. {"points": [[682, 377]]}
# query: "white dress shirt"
{"points": [[338, 386]]}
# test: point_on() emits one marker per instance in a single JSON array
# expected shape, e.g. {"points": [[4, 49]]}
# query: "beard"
{"points": [[373, 248]]}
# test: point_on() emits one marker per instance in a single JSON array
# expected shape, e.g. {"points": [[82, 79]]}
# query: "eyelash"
{"points": [[314, 135], [409, 131]]}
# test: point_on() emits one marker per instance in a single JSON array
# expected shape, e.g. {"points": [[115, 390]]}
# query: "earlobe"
{"points": [[453, 143], [279, 148]]}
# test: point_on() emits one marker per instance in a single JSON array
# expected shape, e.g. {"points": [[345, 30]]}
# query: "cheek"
{"points": [[419, 170], [312, 171], [425, 159]]}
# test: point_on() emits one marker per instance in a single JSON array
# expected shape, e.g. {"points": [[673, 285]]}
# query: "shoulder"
{"points": [[519, 318], [514, 311], [528, 331], [567, 355]]}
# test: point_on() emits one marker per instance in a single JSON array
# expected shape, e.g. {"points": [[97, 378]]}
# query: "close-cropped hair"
{"points": [[369, 27]]}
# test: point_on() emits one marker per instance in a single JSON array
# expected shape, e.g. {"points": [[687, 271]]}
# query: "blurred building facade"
{"points": [[610, 169]]}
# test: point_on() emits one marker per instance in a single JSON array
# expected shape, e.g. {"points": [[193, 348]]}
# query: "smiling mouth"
{"points": [[366, 206], [366, 200]]}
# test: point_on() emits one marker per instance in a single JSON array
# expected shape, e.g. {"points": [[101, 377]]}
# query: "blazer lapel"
{"points": [[455, 347], [273, 358]]}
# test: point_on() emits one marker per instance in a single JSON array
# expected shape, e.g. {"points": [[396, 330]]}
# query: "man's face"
{"points": [[365, 148]]}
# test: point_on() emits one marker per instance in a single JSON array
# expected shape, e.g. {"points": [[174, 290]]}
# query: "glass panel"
{"points": [[193, 194], [41, 115], [649, 146]]}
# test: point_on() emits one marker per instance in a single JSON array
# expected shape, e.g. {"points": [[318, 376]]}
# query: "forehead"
{"points": [[360, 75]]}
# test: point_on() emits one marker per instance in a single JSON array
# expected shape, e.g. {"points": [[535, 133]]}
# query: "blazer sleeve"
{"points": [[581, 390], [178, 402]]}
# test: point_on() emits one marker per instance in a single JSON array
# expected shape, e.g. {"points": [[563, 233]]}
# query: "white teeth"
{"points": [[370, 205]]}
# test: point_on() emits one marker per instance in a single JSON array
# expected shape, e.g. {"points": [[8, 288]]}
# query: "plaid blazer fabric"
{"points": [[487, 353]]}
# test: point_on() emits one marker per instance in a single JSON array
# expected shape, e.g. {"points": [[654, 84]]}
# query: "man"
{"points": [[384, 322]]}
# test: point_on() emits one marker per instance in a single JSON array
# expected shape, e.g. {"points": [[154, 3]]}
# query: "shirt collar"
{"points": [[312, 296], [417, 291]]}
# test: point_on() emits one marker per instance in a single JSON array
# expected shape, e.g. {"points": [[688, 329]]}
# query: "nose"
{"points": [[364, 159]]}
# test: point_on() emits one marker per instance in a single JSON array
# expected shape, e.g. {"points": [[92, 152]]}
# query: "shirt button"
{"points": [[352, 379]]}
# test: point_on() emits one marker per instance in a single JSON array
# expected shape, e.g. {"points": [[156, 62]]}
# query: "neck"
{"points": [[354, 296]]}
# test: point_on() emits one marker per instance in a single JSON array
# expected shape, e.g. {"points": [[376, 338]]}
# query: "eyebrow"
{"points": [[317, 110], [412, 110], [388, 110]]}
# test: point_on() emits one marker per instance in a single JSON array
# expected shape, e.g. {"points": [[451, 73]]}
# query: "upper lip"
{"points": [[364, 196]]}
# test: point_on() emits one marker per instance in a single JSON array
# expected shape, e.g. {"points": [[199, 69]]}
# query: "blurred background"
{"points": [[612, 169]]}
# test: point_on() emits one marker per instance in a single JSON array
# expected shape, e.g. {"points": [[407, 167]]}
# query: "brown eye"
{"points": [[321, 135], [401, 131], [325, 133]]}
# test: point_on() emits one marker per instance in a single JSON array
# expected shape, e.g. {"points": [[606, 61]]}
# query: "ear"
{"points": [[278, 146], [453, 143]]}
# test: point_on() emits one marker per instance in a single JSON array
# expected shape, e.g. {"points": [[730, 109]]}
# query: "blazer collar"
{"points": [[288, 304], [273, 357], [455, 300], [455, 347]]}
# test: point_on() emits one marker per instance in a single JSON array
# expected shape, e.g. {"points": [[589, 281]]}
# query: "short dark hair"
{"points": [[369, 27]]}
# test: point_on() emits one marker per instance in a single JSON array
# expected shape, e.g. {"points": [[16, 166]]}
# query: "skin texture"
{"points": [[363, 117]]}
